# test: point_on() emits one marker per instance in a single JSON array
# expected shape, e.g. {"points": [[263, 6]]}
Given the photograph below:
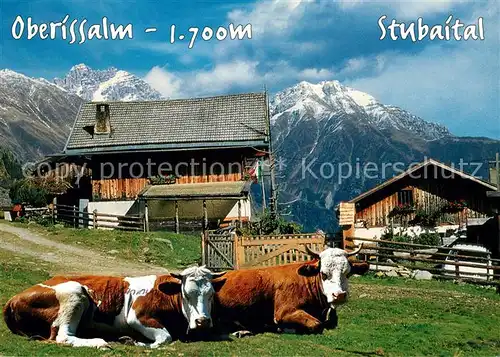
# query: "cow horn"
{"points": [[218, 275], [311, 253], [355, 251]]}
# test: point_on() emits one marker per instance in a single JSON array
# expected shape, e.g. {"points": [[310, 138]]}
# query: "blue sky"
{"points": [[455, 83]]}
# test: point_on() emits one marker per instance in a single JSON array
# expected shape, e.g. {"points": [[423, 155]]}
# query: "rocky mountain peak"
{"points": [[331, 99], [105, 85], [80, 68]]}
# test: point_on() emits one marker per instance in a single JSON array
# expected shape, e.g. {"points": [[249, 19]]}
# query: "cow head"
{"points": [[334, 267], [197, 296]]}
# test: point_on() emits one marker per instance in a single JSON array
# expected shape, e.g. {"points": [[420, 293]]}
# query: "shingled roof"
{"points": [[222, 121], [228, 189]]}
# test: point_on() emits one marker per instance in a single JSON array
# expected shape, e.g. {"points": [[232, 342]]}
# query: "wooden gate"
{"points": [[272, 250], [229, 251], [218, 250]]}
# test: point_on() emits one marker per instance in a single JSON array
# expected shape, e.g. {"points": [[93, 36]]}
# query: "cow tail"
{"points": [[9, 316]]}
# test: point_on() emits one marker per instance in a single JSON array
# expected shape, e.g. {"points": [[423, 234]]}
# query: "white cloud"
{"points": [[355, 65], [226, 75], [222, 78], [349, 4], [315, 75], [167, 83], [229, 76], [414, 9], [270, 16], [405, 9]]}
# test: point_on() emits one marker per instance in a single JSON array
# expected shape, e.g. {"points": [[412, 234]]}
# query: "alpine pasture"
{"points": [[384, 317]]}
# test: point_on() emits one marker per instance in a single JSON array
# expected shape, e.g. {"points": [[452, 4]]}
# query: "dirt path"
{"points": [[69, 259]]}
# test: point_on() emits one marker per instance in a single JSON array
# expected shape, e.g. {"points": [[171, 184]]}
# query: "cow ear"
{"points": [[217, 283], [177, 276], [170, 287], [309, 269], [358, 268]]}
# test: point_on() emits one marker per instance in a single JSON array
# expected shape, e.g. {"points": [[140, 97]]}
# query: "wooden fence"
{"points": [[72, 216], [443, 262], [230, 251]]}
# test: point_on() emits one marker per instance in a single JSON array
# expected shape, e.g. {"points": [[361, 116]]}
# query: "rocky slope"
{"points": [[35, 115]]}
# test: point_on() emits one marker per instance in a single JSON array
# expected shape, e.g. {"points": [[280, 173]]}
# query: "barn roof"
{"points": [[227, 190], [222, 121], [420, 166]]}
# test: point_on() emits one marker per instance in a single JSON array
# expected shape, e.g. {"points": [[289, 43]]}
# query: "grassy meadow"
{"points": [[385, 317], [165, 249]]}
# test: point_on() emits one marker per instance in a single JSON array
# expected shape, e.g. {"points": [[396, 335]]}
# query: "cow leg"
{"points": [[72, 304], [301, 319], [149, 328]]}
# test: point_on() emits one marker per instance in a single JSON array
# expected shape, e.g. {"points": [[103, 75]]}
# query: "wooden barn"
{"points": [[188, 160], [428, 187]]}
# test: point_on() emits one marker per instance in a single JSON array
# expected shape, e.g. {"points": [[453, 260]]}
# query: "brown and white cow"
{"points": [[71, 309], [299, 297]]}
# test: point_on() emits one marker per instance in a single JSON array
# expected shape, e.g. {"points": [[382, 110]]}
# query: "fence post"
{"points": [[488, 268], [177, 229], [146, 216], [203, 243], [240, 251], [236, 248], [412, 255], [94, 219], [75, 217], [457, 267], [239, 214], [205, 216]]}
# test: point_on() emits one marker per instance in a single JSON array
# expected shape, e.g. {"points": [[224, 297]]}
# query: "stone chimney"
{"points": [[102, 124]]}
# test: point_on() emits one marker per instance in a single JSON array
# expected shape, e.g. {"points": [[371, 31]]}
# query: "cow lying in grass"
{"points": [[301, 296], [157, 308]]}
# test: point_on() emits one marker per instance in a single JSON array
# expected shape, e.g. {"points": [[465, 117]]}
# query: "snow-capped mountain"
{"points": [[325, 135], [330, 98], [106, 85]]}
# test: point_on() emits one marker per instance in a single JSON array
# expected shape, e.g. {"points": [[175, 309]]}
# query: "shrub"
{"points": [[425, 219], [162, 180], [268, 224], [428, 239], [44, 220], [401, 210], [454, 206], [390, 236], [26, 192], [37, 191]]}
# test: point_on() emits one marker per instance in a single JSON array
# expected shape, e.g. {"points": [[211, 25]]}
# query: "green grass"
{"points": [[387, 316], [135, 246]]}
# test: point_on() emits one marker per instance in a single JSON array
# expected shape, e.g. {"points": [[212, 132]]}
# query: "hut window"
{"points": [[405, 197]]}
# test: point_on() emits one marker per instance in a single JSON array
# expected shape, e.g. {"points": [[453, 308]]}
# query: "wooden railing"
{"points": [[436, 259], [72, 216]]}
